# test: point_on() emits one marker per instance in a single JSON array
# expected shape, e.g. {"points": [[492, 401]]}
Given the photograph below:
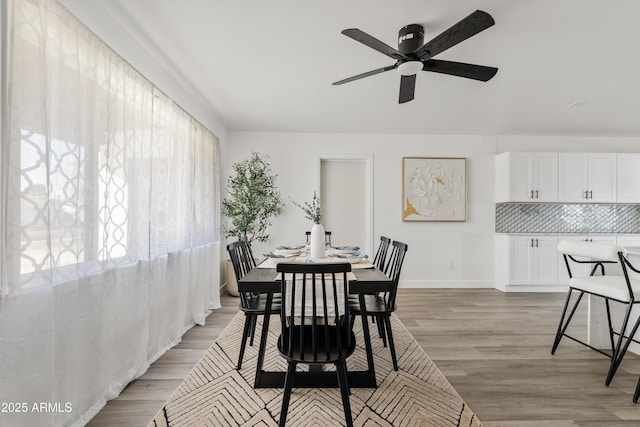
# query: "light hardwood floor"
{"points": [[492, 346]]}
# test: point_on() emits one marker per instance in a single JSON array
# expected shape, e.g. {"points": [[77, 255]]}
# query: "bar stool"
{"points": [[616, 288]]}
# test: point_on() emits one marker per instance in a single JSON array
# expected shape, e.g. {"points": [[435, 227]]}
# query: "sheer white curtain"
{"points": [[110, 247]]}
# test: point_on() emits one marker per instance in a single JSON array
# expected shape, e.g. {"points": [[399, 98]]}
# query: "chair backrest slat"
{"points": [[315, 308], [327, 237], [381, 253], [393, 270], [243, 262]]}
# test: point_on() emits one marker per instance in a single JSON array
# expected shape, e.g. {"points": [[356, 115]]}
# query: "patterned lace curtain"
{"points": [[110, 236], [104, 169]]}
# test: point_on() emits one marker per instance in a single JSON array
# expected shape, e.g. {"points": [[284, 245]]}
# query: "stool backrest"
{"points": [[596, 251]]}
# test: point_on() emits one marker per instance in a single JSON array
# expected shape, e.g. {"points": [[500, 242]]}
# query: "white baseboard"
{"points": [[435, 284]]}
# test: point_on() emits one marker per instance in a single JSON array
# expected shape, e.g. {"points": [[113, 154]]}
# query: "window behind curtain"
{"points": [[103, 168]]}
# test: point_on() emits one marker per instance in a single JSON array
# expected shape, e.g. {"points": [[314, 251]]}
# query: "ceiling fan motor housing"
{"points": [[410, 38]]}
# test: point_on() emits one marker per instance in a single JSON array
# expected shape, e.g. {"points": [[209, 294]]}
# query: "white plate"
{"points": [[344, 251], [289, 251]]}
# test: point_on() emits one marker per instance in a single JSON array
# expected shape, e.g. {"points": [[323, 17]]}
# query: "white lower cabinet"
{"points": [[526, 260], [532, 262]]}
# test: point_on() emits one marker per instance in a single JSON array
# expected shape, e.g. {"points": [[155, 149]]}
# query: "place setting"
{"points": [[300, 254]]}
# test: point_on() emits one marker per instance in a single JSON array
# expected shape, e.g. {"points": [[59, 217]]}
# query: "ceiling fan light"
{"points": [[409, 68]]}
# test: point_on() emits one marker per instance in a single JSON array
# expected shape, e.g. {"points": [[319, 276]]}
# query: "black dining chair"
{"points": [[379, 261], [382, 305], [381, 253], [618, 288], [251, 304], [314, 315], [327, 238]]}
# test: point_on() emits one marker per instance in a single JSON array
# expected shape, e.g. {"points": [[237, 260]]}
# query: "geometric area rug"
{"points": [[214, 393]]}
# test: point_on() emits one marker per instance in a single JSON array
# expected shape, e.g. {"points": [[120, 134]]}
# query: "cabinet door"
{"points": [[572, 177], [521, 176], [520, 267], [533, 260], [545, 177], [545, 260], [628, 177], [602, 177]]}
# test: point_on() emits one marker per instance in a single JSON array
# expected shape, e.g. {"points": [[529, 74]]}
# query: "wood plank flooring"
{"points": [[492, 346]]}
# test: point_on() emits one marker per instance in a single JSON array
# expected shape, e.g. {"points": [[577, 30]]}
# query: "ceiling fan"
{"points": [[412, 55]]}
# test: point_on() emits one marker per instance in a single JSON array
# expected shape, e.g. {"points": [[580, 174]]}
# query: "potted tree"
{"points": [[252, 200]]}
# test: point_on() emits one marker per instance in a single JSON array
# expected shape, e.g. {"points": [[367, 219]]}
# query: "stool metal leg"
{"points": [[620, 351], [562, 326]]}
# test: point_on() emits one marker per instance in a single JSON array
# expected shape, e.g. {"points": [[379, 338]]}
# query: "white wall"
{"points": [[599, 144], [432, 246]]}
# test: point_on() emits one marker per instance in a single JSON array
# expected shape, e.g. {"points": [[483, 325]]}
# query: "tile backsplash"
{"points": [[567, 218]]}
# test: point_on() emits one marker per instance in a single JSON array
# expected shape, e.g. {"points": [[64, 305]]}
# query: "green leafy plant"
{"points": [[311, 210], [252, 199]]}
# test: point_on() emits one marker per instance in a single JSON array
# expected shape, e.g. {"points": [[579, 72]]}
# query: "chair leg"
{"points": [[341, 369], [380, 324], [245, 335], [254, 322], [562, 326], [288, 386], [637, 393], [392, 347], [620, 350]]}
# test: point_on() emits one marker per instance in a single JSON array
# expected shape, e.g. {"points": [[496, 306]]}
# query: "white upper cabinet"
{"points": [[527, 177], [587, 177], [628, 177]]}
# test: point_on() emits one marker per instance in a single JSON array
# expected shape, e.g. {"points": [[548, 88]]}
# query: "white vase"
{"points": [[317, 242]]}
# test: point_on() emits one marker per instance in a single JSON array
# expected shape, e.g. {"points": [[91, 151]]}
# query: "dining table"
{"points": [[365, 279]]}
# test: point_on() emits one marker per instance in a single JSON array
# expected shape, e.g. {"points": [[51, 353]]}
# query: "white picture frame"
{"points": [[434, 189]]}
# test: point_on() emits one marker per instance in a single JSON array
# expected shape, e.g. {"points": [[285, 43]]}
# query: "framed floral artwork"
{"points": [[434, 189]]}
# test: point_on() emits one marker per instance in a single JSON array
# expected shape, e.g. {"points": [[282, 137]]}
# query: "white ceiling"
{"points": [[269, 65]]}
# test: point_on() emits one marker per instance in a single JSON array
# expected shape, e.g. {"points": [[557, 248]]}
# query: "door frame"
{"points": [[368, 161]]}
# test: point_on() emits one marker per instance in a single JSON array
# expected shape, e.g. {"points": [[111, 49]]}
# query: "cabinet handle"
{"points": [[536, 243], [537, 197], [531, 242], [586, 194], [532, 194], [591, 194]]}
